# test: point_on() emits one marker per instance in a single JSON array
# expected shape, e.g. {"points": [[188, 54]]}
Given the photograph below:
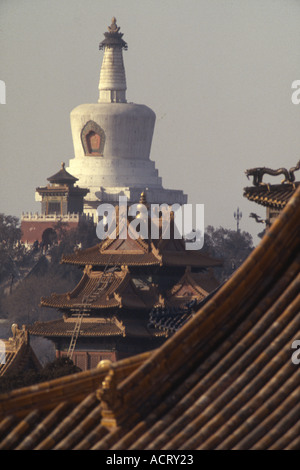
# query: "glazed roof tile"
{"points": [[138, 253], [62, 177], [89, 328], [275, 195], [180, 303], [129, 249], [17, 353], [99, 290], [225, 380]]}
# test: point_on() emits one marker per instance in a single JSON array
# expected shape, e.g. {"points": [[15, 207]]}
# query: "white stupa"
{"points": [[112, 139]]}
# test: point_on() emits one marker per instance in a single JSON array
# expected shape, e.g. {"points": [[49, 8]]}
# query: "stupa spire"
{"points": [[112, 84]]}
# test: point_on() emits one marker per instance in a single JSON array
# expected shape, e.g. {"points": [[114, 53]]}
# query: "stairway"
{"points": [[87, 300]]}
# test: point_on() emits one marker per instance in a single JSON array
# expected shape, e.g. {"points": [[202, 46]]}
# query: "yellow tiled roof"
{"points": [[225, 380], [18, 353], [275, 195]]}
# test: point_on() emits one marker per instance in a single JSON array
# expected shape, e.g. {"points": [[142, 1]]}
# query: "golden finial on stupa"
{"points": [[143, 199]]}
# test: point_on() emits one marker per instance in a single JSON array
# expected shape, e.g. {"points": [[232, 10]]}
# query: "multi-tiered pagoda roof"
{"points": [[123, 280], [228, 380], [139, 252]]}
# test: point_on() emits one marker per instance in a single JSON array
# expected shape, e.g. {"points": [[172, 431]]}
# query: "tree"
{"points": [[10, 232], [83, 236], [10, 248], [39, 275], [232, 246], [58, 368], [23, 305]]}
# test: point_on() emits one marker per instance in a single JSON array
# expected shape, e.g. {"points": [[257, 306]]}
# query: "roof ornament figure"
{"points": [[258, 174]]}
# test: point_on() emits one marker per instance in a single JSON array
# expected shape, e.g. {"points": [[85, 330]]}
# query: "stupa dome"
{"points": [[112, 138]]}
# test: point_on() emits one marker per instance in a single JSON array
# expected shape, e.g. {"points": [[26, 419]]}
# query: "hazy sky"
{"points": [[217, 73]]}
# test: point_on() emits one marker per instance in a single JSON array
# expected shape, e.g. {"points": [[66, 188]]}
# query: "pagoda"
{"points": [[125, 282], [61, 201], [60, 196], [112, 138]]}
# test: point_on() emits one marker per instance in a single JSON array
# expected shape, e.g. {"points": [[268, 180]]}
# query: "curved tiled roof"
{"points": [[47, 414], [99, 290], [179, 303], [16, 353], [96, 257], [89, 327], [92, 327], [62, 177], [139, 252], [225, 380], [275, 195]]}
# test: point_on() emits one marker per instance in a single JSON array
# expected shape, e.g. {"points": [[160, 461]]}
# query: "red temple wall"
{"points": [[32, 231]]}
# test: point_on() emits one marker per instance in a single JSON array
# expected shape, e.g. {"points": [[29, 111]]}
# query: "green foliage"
{"points": [[59, 367], [10, 231], [15, 259], [83, 236], [23, 305], [32, 274], [231, 246], [11, 250]]}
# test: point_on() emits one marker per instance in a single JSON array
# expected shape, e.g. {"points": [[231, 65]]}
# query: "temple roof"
{"points": [[62, 177], [104, 291], [275, 195], [178, 304], [100, 290], [227, 374], [18, 354], [125, 246], [92, 327], [89, 327], [191, 286], [72, 389], [140, 252], [225, 380]]}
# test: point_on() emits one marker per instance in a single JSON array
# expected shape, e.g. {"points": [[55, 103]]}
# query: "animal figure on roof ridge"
{"points": [[259, 172]]}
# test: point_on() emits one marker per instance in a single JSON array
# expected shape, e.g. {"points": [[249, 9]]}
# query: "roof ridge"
{"points": [[286, 226], [18, 401]]}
